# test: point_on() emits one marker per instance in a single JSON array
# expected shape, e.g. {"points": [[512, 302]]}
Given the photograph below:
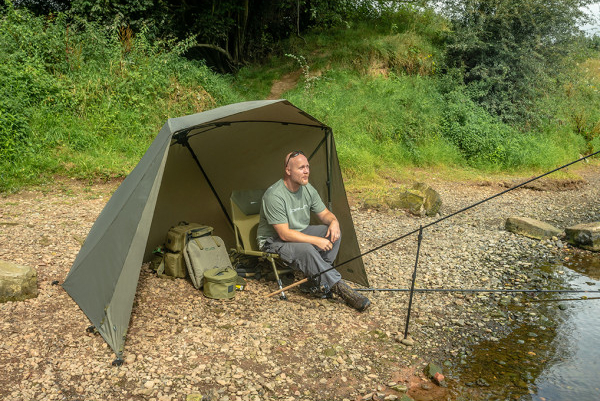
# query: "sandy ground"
{"points": [[182, 345]]}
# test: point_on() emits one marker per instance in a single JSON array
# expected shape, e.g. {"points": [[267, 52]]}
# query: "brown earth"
{"points": [[181, 344], [286, 83]]}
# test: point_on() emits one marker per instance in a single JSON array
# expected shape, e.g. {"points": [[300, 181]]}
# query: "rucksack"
{"points": [[204, 251], [177, 237]]}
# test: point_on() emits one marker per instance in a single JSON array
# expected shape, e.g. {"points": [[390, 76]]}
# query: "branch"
{"points": [[219, 49]]}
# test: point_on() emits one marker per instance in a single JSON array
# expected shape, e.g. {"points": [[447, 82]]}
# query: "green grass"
{"points": [[82, 101]]}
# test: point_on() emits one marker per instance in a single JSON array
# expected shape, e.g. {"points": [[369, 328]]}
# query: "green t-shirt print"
{"points": [[280, 206]]}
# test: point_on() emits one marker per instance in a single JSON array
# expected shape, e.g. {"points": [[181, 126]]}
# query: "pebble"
{"points": [[275, 349]]}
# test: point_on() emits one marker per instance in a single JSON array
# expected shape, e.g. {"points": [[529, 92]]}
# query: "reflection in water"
{"points": [[587, 264], [576, 378], [510, 367], [554, 356]]}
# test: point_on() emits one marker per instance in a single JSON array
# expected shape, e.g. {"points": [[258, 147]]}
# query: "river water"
{"points": [[553, 357]]}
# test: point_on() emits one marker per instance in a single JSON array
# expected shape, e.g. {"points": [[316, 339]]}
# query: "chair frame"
{"points": [[251, 248]]}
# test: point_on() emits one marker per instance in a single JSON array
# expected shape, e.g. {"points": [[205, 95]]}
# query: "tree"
{"points": [[507, 48]]}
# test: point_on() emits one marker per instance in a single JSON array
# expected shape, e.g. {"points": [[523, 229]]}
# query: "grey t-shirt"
{"points": [[280, 205]]}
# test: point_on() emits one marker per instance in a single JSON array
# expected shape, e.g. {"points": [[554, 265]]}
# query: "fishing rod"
{"points": [[314, 276], [478, 290], [562, 299]]}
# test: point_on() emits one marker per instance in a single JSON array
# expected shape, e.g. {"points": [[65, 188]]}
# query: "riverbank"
{"points": [[182, 344]]}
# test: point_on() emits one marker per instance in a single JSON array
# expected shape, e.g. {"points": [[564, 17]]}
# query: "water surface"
{"points": [[553, 355]]}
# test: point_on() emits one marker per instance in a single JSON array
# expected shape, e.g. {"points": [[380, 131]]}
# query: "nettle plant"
{"points": [[309, 80]]}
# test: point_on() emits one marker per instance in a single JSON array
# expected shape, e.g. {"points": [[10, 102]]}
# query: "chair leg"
{"points": [[282, 295]]}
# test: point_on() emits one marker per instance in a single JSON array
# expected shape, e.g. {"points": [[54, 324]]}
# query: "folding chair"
{"points": [[245, 209]]}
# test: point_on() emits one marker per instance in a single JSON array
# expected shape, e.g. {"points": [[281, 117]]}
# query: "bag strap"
{"points": [[200, 245], [161, 268]]}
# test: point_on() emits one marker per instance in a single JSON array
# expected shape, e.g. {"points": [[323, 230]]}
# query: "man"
{"points": [[284, 229]]}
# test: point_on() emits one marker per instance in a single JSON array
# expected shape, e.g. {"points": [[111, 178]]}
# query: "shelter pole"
{"points": [[186, 143], [414, 278], [328, 147]]}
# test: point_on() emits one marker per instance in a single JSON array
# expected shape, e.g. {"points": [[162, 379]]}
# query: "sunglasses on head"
{"points": [[292, 155]]}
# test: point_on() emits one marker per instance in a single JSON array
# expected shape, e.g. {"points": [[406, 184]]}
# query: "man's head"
{"points": [[297, 168]]}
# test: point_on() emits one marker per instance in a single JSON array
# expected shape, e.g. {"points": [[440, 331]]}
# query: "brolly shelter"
{"points": [[188, 174]]}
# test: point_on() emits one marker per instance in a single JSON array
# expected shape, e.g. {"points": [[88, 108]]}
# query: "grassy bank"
{"points": [[84, 101], [391, 107]]}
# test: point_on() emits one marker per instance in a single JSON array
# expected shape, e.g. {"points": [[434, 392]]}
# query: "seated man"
{"points": [[284, 229]]}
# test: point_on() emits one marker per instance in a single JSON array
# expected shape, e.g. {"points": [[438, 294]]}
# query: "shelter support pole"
{"points": [[186, 143], [412, 285]]}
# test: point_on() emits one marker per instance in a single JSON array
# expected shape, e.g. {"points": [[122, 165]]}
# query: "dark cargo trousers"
{"points": [[306, 257]]}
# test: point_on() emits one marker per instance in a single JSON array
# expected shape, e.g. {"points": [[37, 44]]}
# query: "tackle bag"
{"points": [[177, 236], [220, 283], [204, 251]]}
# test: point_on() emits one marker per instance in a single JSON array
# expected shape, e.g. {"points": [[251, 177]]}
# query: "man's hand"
{"points": [[333, 232], [323, 243], [333, 226]]}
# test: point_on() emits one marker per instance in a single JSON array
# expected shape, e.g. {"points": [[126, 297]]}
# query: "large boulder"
{"points": [[17, 282], [585, 235], [531, 228], [420, 200]]}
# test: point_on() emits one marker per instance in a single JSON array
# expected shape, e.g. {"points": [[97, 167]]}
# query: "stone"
{"points": [[420, 200], [585, 235], [409, 342], [438, 378], [431, 370], [531, 228], [372, 203], [401, 388], [17, 283]]}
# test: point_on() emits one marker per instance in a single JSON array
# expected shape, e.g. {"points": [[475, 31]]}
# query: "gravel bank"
{"points": [[181, 345]]}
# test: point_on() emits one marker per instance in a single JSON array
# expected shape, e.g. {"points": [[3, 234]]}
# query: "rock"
{"points": [[438, 378], [481, 382], [372, 203], [401, 388], [420, 200], [409, 342], [431, 370], [17, 282], [531, 228], [585, 235]]}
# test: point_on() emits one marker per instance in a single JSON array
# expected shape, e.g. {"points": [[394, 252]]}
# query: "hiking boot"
{"points": [[350, 296]]}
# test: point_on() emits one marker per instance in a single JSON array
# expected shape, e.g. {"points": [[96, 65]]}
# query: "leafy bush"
{"points": [[509, 50], [84, 101]]}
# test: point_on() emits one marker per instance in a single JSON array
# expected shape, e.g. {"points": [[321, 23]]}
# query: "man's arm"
{"points": [[328, 218], [287, 234]]}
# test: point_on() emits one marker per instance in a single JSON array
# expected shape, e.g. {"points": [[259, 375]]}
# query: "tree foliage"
{"points": [[228, 32], [508, 49]]}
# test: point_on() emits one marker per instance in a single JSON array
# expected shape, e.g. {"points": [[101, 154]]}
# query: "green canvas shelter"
{"points": [[188, 174]]}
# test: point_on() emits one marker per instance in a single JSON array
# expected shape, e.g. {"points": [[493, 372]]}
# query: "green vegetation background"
{"points": [[85, 101]]}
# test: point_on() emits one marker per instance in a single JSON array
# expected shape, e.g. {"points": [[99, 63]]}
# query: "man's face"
{"points": [[298, 169]]}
